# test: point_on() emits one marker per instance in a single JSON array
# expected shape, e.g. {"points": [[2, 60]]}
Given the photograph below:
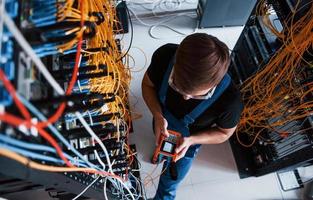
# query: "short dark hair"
{"points": [[202, 60]]}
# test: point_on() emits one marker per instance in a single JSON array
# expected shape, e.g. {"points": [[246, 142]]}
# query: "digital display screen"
{"points": [[168, 147]]}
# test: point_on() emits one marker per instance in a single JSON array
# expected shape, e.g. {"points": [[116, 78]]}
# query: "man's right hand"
{"points": [[160, 128]]}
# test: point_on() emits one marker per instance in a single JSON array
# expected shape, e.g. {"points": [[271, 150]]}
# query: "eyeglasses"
{"points": [[199, 97]]}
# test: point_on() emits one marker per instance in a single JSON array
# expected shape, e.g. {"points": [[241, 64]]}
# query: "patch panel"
{"points": [[71, 109]]}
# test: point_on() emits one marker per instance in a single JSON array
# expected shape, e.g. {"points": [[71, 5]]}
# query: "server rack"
{"points": [[255, 47], [224, 13], [33, 21]]}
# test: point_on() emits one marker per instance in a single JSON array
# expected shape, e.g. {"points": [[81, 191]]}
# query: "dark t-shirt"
{"points": [[224, 112]]}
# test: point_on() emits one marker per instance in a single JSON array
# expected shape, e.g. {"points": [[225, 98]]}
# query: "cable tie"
{"points": [[33, 129], [104, 108], [70, 103], [23, 129]]}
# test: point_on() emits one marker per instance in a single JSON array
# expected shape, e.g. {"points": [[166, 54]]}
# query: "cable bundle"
{"points": [[88, 118], [60, 29], [280, 92]]}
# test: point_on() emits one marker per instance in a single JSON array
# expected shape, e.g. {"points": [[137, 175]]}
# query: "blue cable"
{"points": [[38, 6], [44, 1], [40, 9], [93, 112], [49, 49], [83, 83], [37, 147], [44, 54], [44, 23], [69, 51], [54, 33], [70, 64], [31, 146], [55, 131], [45, 47], [70, 117], [30, 154], [49, 12], [76, 90], [44, 19]]}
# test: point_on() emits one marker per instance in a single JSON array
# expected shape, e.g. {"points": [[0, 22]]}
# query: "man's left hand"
{"points": [[184, 145]]}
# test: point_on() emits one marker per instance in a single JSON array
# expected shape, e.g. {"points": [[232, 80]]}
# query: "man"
{"points": [[187, 89]]}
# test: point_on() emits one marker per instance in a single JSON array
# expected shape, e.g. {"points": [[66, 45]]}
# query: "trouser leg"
{"points": [[167, 187]]}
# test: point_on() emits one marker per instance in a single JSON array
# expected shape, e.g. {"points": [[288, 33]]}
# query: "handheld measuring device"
{"points": [[166, 148]]}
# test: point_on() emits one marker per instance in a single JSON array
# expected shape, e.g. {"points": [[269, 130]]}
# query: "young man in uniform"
{"points": [[187, 89]]}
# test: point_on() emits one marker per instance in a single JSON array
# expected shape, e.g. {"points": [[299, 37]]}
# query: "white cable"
{"points": [[138, 183], [172, 29], [103, 165], [163, 5], [124, 185], [170, 5], [160, 5], [93, 135], [41, 67], [128, 190], [30, 52], [142, 5], [82, 192], [90, 117], [99, 159], [138, 19], [191, 2], [155, 25], [105, 189], [95, 151]]}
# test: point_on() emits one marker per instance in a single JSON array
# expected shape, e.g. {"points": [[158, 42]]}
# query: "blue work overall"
{"points": [[167, 186]]}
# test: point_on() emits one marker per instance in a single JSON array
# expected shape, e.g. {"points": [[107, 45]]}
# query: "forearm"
{"points": [[151, 100], [213, 135]]}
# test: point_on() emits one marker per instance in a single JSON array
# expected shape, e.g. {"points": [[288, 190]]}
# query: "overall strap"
{"points": [[164, 86], [174, 123], [204, 105]]}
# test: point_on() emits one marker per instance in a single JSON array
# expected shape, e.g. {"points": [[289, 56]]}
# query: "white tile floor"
{"points": [[214, 174]]}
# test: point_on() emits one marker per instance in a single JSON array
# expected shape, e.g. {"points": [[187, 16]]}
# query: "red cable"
{"points": [[16, 121], [79, 47], [7, 84], [50, 139], [62, 106], [54, 117]]}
